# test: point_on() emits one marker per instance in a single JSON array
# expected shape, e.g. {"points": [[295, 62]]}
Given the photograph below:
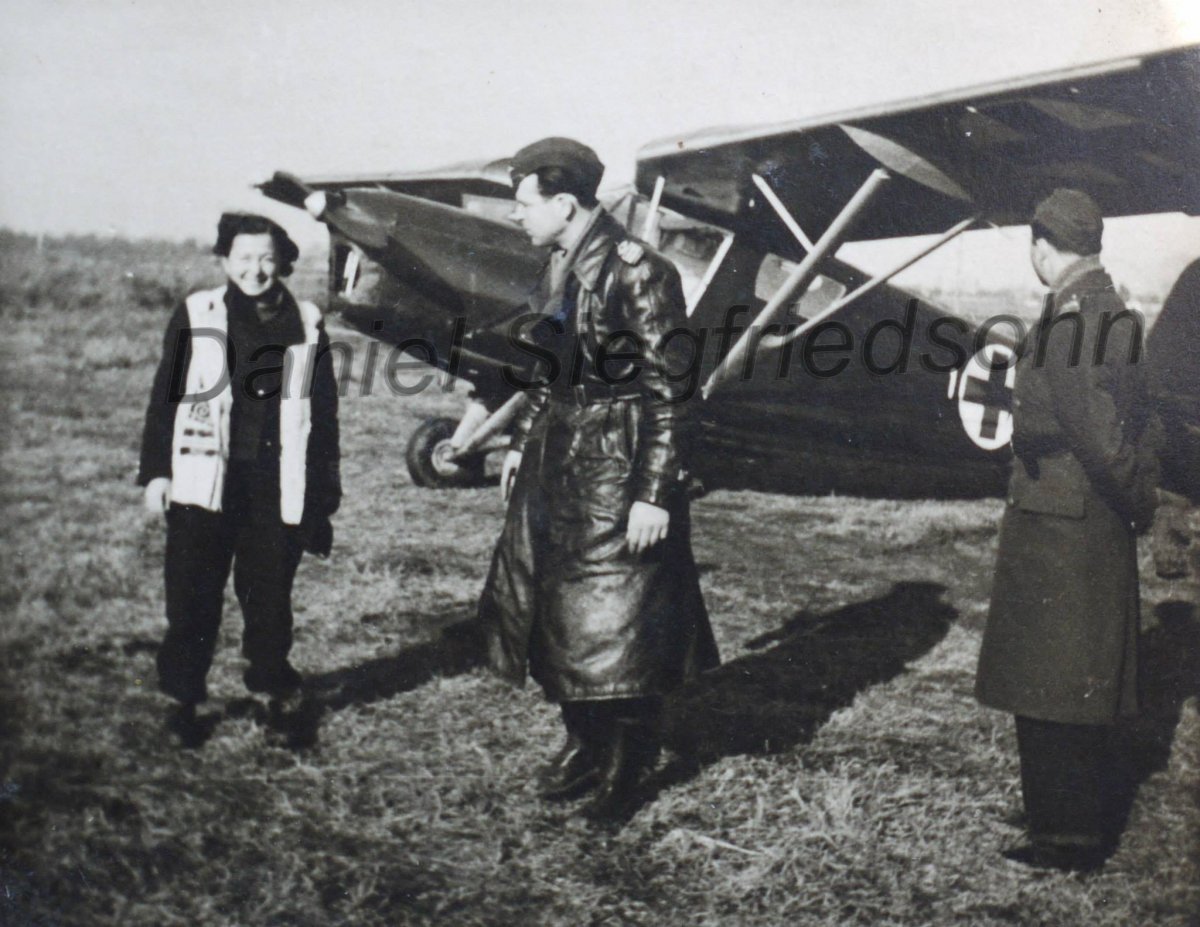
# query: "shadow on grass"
{"points": [[1169, 670], [458, 649], [813, 665], [765, 702], [295, 721]]}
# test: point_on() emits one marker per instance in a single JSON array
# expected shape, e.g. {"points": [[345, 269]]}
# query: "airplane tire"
{"points": [[428, 458]]}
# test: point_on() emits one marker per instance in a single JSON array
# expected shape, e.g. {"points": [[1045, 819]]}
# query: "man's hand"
{"points": [[647, 526], [508, 473], [157, 495]]}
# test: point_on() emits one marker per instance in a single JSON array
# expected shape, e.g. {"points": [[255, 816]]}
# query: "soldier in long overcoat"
{"points": [[1060, 647], [1174, 369], [593, 586]]}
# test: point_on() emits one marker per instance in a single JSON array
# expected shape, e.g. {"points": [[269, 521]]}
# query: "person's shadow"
{"points": [[767, 701], [457, 649], [1169, 674], [294, 721], [777, 697]]}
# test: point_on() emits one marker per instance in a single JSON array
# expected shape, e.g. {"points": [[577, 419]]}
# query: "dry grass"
{"points": [[834, 771]]}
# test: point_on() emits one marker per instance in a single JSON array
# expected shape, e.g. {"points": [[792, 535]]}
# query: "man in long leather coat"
{"points": [[1060, 647], [593, 586]]}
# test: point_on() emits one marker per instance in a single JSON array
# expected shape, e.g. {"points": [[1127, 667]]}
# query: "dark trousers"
{"points": [[1063, 780], [250, 535]]}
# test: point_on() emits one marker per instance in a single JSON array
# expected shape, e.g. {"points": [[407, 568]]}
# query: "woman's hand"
{"points": [[157, 495], [647, 526]]}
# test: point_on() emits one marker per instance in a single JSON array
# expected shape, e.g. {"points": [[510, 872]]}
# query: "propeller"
{"points": [[287, 188]]}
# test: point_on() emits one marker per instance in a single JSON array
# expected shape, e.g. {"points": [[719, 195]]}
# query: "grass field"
{"points": [[834, 771]]}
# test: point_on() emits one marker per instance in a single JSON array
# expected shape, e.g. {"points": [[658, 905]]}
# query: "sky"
{"points": [[149, 118]]}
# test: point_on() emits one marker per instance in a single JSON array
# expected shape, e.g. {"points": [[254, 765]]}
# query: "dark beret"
{"points": [[571, 157], [1072, 221], [233, 224]]}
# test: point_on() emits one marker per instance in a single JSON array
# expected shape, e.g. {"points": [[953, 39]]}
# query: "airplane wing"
{"points": [[487, 178], [442, 261], [1127, 131]]}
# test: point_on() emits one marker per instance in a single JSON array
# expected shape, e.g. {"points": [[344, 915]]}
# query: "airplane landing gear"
{"points": [[431, 458], [442, 454]]}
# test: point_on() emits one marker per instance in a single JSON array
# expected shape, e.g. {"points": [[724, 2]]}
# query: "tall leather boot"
{"points": [[575, 769], [633, 750]]}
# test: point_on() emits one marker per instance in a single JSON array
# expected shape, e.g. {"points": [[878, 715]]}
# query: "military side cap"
{"points": [[1072, 219], [573, 158]]}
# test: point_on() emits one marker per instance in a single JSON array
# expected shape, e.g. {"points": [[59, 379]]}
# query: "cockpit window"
{"points": [[822, 293], [690, 245]]}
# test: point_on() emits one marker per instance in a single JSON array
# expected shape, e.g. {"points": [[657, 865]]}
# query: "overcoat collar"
{"points": [[1084, 276], [602, 234], [1076, 275]]}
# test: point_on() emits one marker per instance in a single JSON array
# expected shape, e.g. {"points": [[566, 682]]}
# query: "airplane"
{"points": [[753, 219]]}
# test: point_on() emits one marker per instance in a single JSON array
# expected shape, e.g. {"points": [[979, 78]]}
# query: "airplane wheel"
{"points": [[429, 459]]}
